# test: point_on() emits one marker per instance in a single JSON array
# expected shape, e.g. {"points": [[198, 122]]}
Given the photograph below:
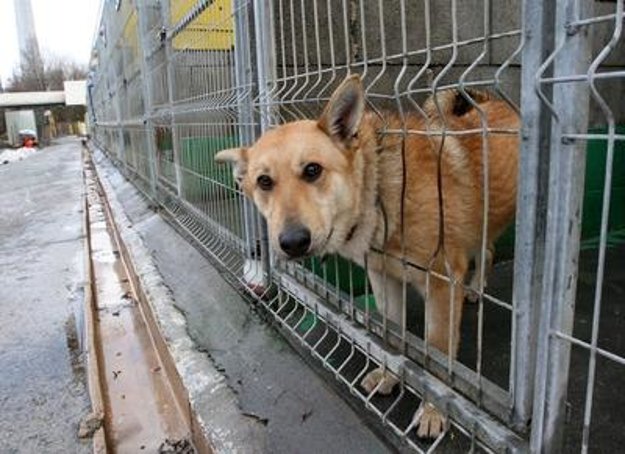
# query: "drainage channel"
{"points": [[138, 394]]}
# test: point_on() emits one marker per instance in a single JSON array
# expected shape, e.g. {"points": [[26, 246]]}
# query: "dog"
{"points": [[339, 184]]}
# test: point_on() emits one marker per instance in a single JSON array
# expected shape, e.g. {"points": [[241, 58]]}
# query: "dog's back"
{"points": [[455, 127]]}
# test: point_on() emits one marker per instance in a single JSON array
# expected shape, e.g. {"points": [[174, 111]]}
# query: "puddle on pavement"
{"points": [[75, 349]]}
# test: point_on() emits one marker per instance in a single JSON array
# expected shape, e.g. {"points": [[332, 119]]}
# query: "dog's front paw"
{"points": [[430, 422], [253, 277], [385, 379]]}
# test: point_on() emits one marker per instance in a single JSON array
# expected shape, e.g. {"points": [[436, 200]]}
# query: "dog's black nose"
{"points": [[295, 240]]}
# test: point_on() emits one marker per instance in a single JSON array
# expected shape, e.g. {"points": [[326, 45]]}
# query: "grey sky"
{"points": [[65, 28]]}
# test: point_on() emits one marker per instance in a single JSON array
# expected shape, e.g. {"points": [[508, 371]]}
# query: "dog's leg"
{"points": [[473, 294], [443, 317], [443, 313], [388, 293]]}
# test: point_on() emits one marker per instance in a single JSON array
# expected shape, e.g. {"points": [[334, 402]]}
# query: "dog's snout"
{"points": [[295, 241]]}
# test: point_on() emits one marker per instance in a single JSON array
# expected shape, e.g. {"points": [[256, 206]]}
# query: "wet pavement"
{"points": [[42, 380]]}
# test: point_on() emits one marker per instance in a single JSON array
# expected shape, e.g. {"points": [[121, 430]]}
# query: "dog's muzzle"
{"points": [[295, 241]]}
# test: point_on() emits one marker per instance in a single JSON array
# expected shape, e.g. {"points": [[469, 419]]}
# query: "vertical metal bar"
{"points": [[148, 90], [119, 113], [244, 75], [165, 18], [349, 60], [243, 69], [404, 137], [565, 194], [605, 214], [531, 208], [266, 59], [480, 267], [266, 71], [330, 81]]}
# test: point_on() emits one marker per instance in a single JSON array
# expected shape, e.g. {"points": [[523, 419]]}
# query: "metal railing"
{"points": [[173, 83]]}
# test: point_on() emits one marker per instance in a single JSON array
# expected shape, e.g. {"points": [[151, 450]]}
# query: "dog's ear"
{"points": [[231, 155], [341, 117], [238, 156]]}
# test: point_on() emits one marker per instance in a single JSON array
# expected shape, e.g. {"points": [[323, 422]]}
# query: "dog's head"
{"points": [[305, 176]]}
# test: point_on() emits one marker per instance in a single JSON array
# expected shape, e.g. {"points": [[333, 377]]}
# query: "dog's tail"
{"points": [[453, 102]]}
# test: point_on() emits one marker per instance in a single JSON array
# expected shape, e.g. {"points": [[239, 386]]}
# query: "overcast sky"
{"points": [[65, 28]]}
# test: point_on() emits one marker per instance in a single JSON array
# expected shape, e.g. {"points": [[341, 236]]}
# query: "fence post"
{"points": [[119, 114], [244, 81], [569, 115], [266, 59], [266, 74], [537, 29], [146, 85], [165, 19]]}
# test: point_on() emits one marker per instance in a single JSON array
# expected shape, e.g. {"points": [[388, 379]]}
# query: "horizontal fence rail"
{"points": [[512, 336]]}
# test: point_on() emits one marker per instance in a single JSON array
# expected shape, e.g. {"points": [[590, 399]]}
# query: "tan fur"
{"points": [[359, 193]]}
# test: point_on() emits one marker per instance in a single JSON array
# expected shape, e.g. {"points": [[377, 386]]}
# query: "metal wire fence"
{"points": [[540, 351]]}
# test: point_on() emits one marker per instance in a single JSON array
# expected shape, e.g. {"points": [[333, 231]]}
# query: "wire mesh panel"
{"points": [[210, 88], [458, 206], [406, 53], [116, 91]]}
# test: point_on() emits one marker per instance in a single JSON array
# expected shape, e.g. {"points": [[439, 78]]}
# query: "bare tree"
{"points": [[30, 74], [44, 73]]}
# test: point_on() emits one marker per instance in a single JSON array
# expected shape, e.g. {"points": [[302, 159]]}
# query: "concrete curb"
{"points": [[222, 425], [93, 369]]}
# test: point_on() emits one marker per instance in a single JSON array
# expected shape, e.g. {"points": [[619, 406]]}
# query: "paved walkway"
{"points": [[42, 381]]}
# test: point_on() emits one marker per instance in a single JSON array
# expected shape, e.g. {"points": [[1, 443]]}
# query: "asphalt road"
{"points": [[43, 394]]}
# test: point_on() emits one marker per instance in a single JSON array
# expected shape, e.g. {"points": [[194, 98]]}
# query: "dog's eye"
{"points": [[312, 172], [265, 182]]}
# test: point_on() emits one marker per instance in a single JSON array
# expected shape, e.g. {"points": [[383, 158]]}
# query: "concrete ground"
{"points": [[42, 381]]}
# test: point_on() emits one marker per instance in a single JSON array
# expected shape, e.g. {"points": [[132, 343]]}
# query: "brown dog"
{"points": [[335, 186]]}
